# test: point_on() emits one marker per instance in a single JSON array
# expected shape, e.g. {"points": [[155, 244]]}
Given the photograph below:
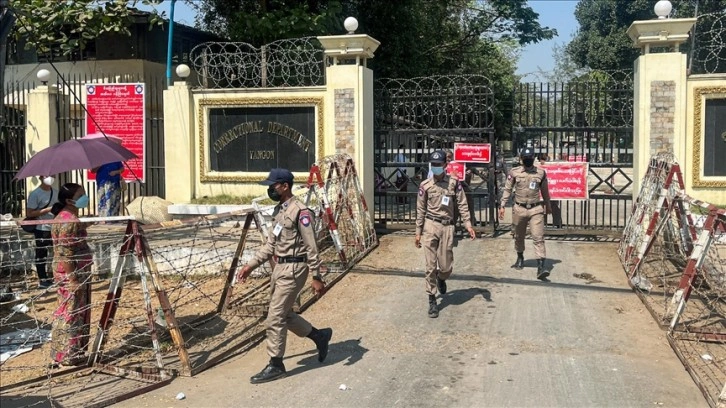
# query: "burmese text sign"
{"points": [[567, 180], [118, 110], [472, 152]]}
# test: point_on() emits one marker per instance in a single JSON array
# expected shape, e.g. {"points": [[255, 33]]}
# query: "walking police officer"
{"points": [[292, 244], [437, 196], [528, 182]]}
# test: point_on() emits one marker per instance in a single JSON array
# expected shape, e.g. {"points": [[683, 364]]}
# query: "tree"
{"points": [[69, 25], [601, 41]]}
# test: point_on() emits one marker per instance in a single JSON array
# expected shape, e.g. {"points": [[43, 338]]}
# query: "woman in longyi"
{"points": [[72, 260]]}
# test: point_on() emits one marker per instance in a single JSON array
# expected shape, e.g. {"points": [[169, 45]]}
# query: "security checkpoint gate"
{"points": [[413, 118]]}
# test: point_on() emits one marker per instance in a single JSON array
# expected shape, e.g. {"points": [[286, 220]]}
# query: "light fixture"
{"points": [[43, 75], [350, 24], [663, 9], [183, 71]]}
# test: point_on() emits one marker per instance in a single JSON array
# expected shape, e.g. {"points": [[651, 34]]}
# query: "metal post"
{"points": [[169, 43]]}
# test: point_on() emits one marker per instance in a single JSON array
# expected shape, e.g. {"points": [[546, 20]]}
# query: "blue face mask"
{"points": [[437, 171], [81, 202]]}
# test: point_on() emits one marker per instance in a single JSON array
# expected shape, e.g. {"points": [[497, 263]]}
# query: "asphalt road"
{"points": [[503, 339]]}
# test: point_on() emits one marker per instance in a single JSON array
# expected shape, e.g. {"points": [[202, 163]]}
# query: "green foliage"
{"points": [[70, 24], [601, 41]]}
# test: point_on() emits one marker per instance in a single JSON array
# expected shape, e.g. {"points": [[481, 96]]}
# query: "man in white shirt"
{"points": [[40, 202]]}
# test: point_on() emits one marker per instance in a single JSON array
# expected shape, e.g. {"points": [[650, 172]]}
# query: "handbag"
{"points": [[31, 228]]}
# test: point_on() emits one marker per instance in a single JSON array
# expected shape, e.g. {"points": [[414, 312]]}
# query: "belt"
{"points": [[531, 205], [442, 221], [291, 259]]}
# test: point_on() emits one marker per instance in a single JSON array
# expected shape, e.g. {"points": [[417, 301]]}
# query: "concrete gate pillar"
{"points": [[660, 101], [179, 143], [349, 102]]}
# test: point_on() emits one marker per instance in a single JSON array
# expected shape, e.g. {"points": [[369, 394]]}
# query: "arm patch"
{"points": [[305, 218]]}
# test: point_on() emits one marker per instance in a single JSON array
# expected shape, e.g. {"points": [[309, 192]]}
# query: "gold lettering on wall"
{"points": [[289, 133], [236, 132], [262, 155]]}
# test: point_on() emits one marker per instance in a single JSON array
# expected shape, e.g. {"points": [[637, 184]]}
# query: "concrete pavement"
{"points": [[503, 339]]}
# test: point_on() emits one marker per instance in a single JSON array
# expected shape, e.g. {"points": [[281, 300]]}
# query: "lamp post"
{"points": [[43, 76], [663, 9], [183, 71]]}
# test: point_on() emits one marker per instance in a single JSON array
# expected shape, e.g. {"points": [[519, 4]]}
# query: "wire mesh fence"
{"points": [[674, 252], [158, 300]]}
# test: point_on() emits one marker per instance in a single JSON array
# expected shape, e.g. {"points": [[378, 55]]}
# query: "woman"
{"points": [[108, 188], [72, 260]]}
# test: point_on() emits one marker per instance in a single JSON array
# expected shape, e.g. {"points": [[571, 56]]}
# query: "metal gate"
{"points": [[590, 119], [414, 117], [12, 146]]}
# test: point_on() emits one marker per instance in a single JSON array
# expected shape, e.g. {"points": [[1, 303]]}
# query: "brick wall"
{"points": [[662, 112], [344, 121]]}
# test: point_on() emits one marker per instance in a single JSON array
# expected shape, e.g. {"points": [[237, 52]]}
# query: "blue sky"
{"points": [[558, 14]]}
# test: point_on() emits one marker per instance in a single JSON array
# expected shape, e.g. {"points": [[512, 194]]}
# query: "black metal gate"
{"points": [[589, 119], [71, 124], [12, 146], [414, 117]]}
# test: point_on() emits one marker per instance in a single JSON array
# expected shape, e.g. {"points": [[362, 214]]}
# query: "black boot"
{"points": [[542, 273], [322, 341], [274, 370], [441, 284], [519, 264], [433, 308]]}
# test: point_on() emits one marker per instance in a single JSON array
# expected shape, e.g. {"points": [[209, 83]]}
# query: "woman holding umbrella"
{"points": [[72, 260]]}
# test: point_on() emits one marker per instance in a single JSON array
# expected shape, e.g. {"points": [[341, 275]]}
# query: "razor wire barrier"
{"points": [[164, 301], [673, 250]]}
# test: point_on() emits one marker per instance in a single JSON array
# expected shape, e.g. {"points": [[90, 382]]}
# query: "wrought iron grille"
{"points": [[12, 146], [414, 117], [708, 55], [282, 63]]}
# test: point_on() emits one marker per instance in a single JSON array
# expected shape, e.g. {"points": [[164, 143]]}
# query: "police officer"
{"points": [[437, 197], [528, 182], [291, 242]]}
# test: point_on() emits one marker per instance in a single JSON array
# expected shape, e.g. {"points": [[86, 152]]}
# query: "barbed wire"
{"points": [[283, 63], [709, 52]]}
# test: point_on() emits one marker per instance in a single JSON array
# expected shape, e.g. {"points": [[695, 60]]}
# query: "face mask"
{"points": [[273, 194], [528, 161], [82, 202], [437, 171], [48, 181]]}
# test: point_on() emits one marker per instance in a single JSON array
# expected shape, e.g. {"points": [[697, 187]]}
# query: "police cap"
{"points": [[438, 157], [278, 176], [527, 152]]}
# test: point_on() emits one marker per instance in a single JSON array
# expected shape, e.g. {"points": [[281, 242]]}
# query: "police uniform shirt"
{"points": [[526, 184], [292, 234], [437, 199]]}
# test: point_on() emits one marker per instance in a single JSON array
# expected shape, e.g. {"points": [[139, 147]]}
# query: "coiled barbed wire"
{"points": [[282, 63]]}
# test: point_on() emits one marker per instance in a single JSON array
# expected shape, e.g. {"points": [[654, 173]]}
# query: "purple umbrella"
{"points": [[72, 155]]}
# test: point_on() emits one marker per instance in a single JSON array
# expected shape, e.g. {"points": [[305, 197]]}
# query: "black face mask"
{"points": [[273, 194], [528, 161]]}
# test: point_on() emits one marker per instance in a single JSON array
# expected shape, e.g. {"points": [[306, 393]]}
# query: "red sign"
{"points": [[576, 158], [456, 170], [118, 110], [472, 152], [567, 181]]}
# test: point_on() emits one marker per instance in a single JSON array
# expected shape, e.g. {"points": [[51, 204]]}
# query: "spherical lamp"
{"points": [[663, 9], [183, 71], [43, 75], [350, 24]]}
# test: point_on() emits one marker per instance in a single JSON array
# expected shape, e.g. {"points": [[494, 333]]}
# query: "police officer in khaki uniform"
{"points": [[291, 243], [437, 197], [528, 181]]}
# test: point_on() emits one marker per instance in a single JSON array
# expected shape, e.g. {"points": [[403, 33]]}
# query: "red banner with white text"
{"points": [[567, 180]]}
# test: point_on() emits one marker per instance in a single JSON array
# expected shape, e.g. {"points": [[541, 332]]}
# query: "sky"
{"points": [[558, 14]]}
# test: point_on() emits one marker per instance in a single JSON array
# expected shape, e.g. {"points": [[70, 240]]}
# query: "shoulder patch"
{"points": [[459, 187], [305, 218], [420, 192], [509, 176]]}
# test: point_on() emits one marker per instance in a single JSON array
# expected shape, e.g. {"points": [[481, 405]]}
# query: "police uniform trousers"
{"points": [[287, 281], [521, 216], [438, 245]]}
